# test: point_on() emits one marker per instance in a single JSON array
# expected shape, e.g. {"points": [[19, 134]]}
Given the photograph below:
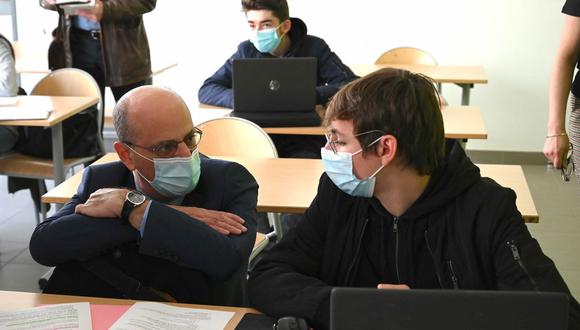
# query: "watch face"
{"points": [[135, 197]]}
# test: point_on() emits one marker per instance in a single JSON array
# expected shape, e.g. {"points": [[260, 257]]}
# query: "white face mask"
{"points": [[339, 168]]}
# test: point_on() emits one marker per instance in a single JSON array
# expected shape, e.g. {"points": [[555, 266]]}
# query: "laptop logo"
{"points": [[274, 85]]}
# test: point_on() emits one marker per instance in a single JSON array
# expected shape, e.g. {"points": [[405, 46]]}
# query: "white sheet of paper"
{"points": [[60, 316], [8, 101], [17, 113], [158, 316]]}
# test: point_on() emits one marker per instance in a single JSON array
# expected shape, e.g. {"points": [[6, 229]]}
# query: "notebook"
{"points": [[276, 91], [358, 308]]}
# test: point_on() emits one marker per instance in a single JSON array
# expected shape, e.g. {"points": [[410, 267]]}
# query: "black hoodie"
{"points": [[463, 232]]}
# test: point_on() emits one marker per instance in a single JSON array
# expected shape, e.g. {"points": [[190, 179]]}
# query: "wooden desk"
{"points": [[464, 76], [63, 107], [299, 179], [12, 300], [460, 122]]}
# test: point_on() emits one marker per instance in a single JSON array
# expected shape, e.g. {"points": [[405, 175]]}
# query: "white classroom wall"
{"points": [[515, 40]]}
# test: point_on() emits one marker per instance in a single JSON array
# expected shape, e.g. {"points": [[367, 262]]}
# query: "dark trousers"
{"points": [[87, 56]]}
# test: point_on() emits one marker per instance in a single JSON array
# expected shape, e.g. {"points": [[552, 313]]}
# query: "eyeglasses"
{"points": [[568, 166], [167, 149], [332, 139]]}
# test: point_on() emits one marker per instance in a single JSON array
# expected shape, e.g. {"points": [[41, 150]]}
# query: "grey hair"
{"points": [[120, 120]]}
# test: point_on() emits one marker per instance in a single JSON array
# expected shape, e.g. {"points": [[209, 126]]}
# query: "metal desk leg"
{"points": [[465, 90], [274, 218], [57, 156]]}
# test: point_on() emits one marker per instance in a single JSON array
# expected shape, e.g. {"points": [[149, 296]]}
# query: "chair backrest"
{"points": [[72, 82], [237, 137], [406, 55]]}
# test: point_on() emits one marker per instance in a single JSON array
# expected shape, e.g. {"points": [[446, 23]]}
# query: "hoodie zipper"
{"points": [[358, 247], [396, 231], [518, 259]]}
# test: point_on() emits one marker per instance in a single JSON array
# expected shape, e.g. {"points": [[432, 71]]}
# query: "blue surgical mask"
{"points": [[176, 176], [339, 169], [266, 41]]}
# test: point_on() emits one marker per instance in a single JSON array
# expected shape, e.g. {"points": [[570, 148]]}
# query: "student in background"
{"points": [[558, 141], [109, 42], [175, 230], [8, 87], [398, 207], [273, 33]]}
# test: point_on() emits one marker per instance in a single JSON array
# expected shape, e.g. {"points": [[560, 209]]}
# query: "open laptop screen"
{"points": [[358, 308]]}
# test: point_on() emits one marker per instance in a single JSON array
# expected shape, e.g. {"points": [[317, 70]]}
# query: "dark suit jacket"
{"points": [[177, 254]]}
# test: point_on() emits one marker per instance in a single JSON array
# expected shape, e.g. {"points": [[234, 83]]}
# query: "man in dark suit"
{"points": [[164, 223]]}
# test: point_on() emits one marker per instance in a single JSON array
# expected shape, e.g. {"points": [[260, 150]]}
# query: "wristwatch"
{"points": [[132, 200]]}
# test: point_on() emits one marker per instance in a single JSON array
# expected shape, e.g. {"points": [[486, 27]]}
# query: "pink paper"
{"points": [[103, 316]]}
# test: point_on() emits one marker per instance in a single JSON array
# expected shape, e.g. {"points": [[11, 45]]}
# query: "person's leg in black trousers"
{"points": [[119, 91], [87, 56]]}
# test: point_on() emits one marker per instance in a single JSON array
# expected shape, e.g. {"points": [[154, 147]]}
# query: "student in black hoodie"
{"points": [[398, 207], [273, 33]]}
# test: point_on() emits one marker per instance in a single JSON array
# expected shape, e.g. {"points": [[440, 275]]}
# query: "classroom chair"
{"points": [[237, 137], [62, 82], [407, 55]]}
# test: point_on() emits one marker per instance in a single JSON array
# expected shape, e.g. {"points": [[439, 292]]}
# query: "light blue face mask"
{"points": [[266, 41], [176, 176], [339, 169]]}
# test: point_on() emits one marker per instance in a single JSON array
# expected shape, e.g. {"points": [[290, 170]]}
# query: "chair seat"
{"points": [[20, 165]]}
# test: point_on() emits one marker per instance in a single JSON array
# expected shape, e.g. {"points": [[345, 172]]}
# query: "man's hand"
{"points": [[223, 222], [393, 286], [103, 203], [94, 14]]}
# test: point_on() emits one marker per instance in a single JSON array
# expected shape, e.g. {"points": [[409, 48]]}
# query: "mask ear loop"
{"points": [[135, 151], [136, 170], [382, 166]]}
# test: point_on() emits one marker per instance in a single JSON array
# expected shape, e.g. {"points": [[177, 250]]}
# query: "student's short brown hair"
{"points": [[278, 7], [399, 103]]}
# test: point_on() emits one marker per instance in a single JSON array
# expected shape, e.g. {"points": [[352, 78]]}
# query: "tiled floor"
{"points": [[558, 232]]}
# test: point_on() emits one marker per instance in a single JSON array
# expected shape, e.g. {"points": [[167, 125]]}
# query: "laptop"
{"points": [[358, 308], [276, 92]]}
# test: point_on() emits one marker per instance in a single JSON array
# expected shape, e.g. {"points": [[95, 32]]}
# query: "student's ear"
{"points": [[286, 26], [387, 149], [124, 155]]}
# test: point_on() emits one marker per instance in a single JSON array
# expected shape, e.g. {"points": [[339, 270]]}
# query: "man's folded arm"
{"points": [[175, 236], [68, 236]]}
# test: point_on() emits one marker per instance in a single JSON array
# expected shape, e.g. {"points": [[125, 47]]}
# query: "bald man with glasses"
{"points": [[163, 223]]}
